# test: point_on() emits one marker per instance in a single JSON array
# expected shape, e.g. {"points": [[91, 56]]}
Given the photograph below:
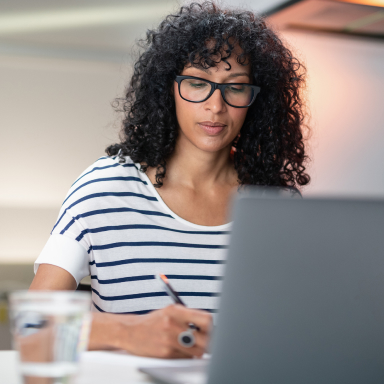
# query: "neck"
{"points": [[194, 168]]}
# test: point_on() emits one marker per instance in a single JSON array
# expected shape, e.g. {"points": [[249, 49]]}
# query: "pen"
{"points": [[173, 294]]}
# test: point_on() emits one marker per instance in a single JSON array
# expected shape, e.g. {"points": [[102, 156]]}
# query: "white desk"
{"points": [[96, 367]]}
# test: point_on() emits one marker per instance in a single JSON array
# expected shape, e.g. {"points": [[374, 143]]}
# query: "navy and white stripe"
{"points": [[128, 234]]}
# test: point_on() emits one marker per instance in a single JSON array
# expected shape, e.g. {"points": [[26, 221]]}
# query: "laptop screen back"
{"points": [[303, 294]]}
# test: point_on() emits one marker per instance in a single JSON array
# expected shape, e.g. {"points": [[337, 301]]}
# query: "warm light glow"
{"points": [[80, 17], [375, 3]]}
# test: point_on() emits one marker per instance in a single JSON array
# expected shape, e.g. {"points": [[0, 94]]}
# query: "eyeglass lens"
{"points": [[239, 95]]}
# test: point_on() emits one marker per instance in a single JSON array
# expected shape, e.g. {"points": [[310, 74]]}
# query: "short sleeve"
{"points": [[67, 246], [66, 253]]}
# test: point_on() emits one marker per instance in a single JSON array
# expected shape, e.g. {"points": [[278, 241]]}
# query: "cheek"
{"points": [[179, 102], [185, 111], [238, 116]]}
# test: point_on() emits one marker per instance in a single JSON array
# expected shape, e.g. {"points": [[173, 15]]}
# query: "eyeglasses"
{"points": [[196, 90]]}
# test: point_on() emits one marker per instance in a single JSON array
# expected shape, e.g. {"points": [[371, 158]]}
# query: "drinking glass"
{"points": [[50, 329]]}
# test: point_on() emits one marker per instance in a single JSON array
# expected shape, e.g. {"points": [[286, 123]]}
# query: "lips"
{"points": [[212, 128], [212, 124]]}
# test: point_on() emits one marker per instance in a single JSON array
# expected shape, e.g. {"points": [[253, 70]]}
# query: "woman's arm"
{"points": [[154, 334], [51, 277]]}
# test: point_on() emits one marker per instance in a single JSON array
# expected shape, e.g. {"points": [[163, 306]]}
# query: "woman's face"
{"points": [[196, 119]]}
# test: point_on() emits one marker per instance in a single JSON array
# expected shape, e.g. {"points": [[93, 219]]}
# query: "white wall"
{"points": [[345, 94], [55, 120]]}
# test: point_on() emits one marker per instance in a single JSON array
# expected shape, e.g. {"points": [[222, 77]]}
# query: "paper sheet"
{"points": [[126, 359]]}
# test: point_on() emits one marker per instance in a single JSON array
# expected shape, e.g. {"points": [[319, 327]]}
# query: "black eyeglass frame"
{"points": [[220, 86]]}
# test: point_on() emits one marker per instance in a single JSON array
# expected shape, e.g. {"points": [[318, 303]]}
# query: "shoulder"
{"points": [[107, 166], [271, 191], [292, 192], [105, 187], [105, 175]]}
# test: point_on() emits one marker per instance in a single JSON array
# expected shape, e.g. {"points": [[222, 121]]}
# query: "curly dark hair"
{"points": [[270, 147]]}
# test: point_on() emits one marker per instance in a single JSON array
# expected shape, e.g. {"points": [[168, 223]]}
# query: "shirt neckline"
{"points": [[173, 214]]}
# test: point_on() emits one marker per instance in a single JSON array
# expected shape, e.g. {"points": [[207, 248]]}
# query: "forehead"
{"points": [[227, 69], [221, 61]]}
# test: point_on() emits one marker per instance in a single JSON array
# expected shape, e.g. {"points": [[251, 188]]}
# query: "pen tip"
{"points": [[163, 277]]}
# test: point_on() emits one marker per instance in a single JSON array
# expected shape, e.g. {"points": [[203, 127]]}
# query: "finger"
{"points": [[198, 349], [198, 317], [200, 346]]}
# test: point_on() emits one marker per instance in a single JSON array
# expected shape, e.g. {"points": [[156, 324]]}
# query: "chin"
{"points": [[211, 145]]}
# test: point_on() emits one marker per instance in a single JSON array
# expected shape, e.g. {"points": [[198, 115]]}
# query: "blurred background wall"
{"points": [[62, 65]]}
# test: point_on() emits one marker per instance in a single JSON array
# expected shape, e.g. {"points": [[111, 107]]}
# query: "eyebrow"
{"points": [[237, 74]]}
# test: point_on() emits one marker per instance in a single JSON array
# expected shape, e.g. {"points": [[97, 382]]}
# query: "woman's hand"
{"points": [[154, 334]]}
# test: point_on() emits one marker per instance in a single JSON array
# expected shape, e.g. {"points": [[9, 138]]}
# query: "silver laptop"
{"points": [[303, 295]]}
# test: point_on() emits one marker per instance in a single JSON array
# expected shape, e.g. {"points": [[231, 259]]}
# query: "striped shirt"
{"points": [[114, 226]]}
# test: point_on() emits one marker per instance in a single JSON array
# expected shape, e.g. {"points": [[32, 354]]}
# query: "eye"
{"points": [[236, 88], [197, 84]]}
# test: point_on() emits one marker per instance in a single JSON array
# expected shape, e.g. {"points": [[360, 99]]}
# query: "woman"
{"points": [[213, 105]]}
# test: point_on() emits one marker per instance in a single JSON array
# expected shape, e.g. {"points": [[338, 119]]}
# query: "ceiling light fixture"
{"points": [[374, 3], [364, 18]]}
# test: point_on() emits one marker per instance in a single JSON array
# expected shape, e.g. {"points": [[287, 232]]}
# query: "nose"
{"points": [[216, 103]]}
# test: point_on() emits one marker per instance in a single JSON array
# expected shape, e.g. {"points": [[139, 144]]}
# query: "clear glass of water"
{"points": [[50, 329]]}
